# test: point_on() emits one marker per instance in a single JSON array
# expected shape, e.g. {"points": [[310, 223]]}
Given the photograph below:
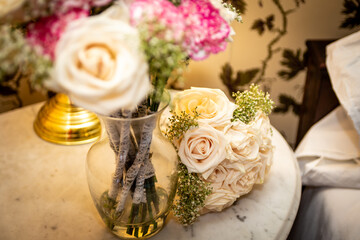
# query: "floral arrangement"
{"points": [[115, 58], [225, 148]]}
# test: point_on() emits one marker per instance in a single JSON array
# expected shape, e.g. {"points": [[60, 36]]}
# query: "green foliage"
{"points": [[285, 103], [175, 2], [260, 25], [192, 192], [293, 62], [352, 12], [165, 59], [240, 5], [18, 60], [242, 77], [179, 124], [249, 102]]}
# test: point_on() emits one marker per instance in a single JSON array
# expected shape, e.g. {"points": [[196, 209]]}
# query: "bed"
{"points": [[328, 155]]}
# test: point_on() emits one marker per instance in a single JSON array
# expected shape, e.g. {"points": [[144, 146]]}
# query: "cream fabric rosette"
{"points": [[213, 105], [100, 66], [229, 182], [243, 142], [7, 6], [202, 149]]}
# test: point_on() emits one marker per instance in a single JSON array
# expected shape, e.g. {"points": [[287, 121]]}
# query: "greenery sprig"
{"points": [[251, 101], [180, 123], [192, 192]]}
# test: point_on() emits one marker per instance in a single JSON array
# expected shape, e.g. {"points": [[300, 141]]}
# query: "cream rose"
{"points": [[219, 200], [222, 179], [243, 142], [202, 149], [100, 66], [213, 105], [7, 6]]}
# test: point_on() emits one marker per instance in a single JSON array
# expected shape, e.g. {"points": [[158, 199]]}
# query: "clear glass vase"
{"points": [[132, 175]]}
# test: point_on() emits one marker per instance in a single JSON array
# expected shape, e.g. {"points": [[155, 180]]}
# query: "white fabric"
{"points": [[343, 65], [327, 214], [330, 151]]}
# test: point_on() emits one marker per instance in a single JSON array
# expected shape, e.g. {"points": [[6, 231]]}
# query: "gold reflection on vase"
{"points": [[59, 121]]}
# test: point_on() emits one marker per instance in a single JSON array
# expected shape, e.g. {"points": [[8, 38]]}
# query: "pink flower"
{"points": [[206, 31], [159, 11], [46, 32]]}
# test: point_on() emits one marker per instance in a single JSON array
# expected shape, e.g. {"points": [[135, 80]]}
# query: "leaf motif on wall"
{"points": [[270, 22], [298, 2], [259, 26], [285, 103], [294, 63], [352, 12], [242, 78], [245, 77]]}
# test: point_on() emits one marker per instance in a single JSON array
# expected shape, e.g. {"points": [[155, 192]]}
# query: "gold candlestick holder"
{"points": [[59, 121]]}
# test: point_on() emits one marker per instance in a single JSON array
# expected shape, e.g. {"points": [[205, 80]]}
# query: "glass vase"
{"points": [[132, 175]]}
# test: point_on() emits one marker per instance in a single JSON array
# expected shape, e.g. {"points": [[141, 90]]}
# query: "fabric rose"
{"points": [[206, 31], [213, 105], [100, 65], [219, 200], [7, 6], [162, 12], [202, 149], [243, 142], [224, 181]]}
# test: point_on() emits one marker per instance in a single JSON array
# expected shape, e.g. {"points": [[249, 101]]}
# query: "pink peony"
{"points": [[160, 11], [206, 31], [46, 32]]}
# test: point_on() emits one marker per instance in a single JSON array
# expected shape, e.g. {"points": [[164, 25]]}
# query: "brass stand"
{"points": [[58, 121]]}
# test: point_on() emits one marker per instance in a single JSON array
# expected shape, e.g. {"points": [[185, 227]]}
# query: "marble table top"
{"points": [[44, 193]]}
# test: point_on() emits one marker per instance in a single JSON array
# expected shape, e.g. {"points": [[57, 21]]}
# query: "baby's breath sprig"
{"points": [[180, 123], [251, 101], [229, 6], [192, 192]]}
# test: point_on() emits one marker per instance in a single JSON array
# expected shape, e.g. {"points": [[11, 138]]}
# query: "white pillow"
{"points": [[343, 65], [329, 153]]}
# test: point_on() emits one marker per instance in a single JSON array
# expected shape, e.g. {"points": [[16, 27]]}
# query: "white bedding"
{"points": [[328, 214], [329, 159]]}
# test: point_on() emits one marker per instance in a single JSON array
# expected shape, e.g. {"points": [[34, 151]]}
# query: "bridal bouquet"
{"points": [[225, 148]]}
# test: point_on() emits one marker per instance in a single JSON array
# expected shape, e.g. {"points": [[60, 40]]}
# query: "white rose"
{"points": [[218, 200], [7, 6], [221, 178], [243, 142], [100, 66], [202, 149], [213, 105], [261, 122]]}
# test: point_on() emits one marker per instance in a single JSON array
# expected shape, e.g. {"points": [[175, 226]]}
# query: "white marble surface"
{"points": [[44, 193]]}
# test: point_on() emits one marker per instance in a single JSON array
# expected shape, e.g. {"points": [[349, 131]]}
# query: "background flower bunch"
{"points": [[103, 52], [227, 154]]}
